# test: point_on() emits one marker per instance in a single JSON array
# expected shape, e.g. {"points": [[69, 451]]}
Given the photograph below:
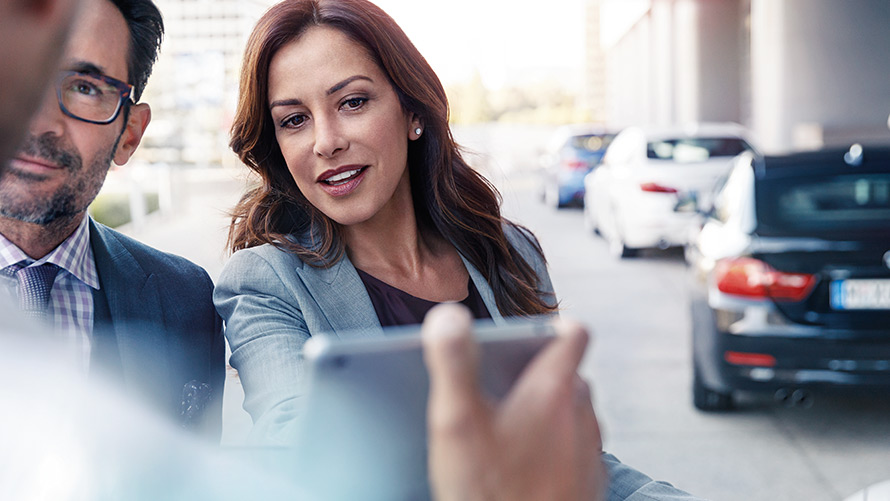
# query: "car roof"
{"points": [[697, 129], [857, 158]]}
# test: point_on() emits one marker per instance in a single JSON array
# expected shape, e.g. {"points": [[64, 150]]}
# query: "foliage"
{"points": [[113, 209], [545, 102]]}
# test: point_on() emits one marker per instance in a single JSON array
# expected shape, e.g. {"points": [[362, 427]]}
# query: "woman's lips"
{"points": [[342, 181], [342, 177]]}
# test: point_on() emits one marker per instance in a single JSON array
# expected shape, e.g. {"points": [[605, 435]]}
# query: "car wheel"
{"points": [[616, 239], [706, 399], [619, 249]]}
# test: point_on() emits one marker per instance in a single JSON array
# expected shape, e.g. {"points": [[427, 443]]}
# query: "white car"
{"points": [[630, 199]]}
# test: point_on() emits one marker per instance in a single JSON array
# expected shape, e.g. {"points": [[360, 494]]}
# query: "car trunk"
{"points": [[698, 177], [834, 226], [839, 268]]}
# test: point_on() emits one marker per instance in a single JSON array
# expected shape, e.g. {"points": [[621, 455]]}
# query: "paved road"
{"points": [[639, 364]]}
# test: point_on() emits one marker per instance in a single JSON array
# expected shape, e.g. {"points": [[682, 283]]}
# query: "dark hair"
{"points": [[146, 32], [449, 197]]}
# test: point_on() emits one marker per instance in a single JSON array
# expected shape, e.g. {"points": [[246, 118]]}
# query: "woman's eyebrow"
{"points": [[346, 82], [335, 88]]}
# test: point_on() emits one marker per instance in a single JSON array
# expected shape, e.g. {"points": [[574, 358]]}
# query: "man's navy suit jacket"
{"points": [[155, 327]]}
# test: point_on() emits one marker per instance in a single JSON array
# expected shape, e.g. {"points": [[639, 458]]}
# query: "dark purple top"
{"points": [[397, 307]]}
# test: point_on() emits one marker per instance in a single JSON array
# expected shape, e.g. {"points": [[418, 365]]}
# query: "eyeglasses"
{"points": [[92, 98]]}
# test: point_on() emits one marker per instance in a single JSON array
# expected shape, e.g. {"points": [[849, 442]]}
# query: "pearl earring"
{"points": [[418, 131]]}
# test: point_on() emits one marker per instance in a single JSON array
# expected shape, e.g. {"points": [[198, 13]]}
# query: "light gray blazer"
{"points": [[272, 302]]}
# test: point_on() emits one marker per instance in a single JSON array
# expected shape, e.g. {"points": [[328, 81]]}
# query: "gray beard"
{"points": [[43, 212], [69, 200]]}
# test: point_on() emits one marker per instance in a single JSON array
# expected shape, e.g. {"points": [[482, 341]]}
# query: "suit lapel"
{"points": [[134, 307], [342, 299]]}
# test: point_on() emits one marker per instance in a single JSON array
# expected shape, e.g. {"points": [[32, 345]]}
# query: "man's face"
{"points": [[62, 164]]}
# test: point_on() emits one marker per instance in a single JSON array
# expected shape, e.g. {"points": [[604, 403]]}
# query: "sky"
{"points": [[505, 40]]}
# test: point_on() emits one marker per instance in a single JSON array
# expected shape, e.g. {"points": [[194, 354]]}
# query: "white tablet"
{"points": [[363, 431]]}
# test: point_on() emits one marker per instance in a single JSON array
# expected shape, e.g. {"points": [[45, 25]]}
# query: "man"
{"points": [[131, 313]]}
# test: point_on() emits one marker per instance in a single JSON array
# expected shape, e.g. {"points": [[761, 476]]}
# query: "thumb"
{"points": [[452, 358]]}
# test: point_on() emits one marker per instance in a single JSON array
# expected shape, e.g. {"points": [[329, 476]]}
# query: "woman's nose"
{"points": [[329, 138]]}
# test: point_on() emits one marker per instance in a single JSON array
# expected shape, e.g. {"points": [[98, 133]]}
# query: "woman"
{"points": [[366, 215]]}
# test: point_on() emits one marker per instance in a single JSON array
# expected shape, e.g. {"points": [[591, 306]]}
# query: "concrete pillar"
{"points": [[819, 72]]}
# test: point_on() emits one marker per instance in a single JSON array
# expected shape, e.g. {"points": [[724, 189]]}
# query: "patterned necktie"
{"points": [[35, 284]]}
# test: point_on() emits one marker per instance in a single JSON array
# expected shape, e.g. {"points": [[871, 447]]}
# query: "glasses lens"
{"points": [[89, 98]]}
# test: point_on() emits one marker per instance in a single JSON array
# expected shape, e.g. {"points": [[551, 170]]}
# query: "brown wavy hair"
{"points": [[449, 197]]}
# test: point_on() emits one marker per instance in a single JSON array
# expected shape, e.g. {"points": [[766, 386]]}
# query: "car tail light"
{"points": [[753, 278], [575, 164], [755, 359], [657, 188]]}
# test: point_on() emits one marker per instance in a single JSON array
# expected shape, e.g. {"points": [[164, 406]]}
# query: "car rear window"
{"points": [[591, 142], [699, 149], [824, 205]]}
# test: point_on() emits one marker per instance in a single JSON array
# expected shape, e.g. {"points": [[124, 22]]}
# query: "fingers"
{"points": [[589, 429], [551, 381], [558, 362], [591, 472]]}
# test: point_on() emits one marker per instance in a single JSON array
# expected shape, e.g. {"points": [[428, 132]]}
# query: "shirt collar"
{"points": [[74, 255], [10, 254]]}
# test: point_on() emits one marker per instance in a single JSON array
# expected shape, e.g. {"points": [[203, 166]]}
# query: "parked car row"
{"points": [[788, 256], [630, 182]]}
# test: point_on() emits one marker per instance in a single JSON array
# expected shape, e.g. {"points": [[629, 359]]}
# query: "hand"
{"points": [[541, 442]]}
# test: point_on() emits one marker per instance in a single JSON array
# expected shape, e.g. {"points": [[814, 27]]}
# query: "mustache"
{"points": [[48, 147]]}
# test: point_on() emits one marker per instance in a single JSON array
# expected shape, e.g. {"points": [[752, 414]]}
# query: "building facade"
{"points": [[801, 74], [194, 87]]}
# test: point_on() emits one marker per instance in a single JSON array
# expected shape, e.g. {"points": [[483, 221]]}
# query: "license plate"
{"points": [[860, 294]]}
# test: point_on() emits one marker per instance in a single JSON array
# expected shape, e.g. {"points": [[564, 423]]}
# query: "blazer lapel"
{"points": [[342, 299], [134, 305], [484, 291]]}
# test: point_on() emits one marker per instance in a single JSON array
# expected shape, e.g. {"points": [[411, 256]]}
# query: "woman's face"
{"points": [[340, 126]]}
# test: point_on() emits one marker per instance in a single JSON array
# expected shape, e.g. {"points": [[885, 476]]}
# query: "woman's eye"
{"points": [[354, 103], [293, 121]]}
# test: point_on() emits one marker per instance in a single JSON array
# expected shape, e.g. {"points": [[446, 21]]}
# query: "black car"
{"points": [[790, 278]]}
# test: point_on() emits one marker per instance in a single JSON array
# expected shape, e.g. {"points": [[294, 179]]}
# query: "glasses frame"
{"points": [[125, 90]]}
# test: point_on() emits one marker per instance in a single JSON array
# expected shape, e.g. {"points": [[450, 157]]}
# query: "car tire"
{"points": [[620, 250], [707, 399]]}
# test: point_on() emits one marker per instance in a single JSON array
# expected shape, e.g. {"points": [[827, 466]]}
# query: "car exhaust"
{"points": [[802, 398], [795, 397]]}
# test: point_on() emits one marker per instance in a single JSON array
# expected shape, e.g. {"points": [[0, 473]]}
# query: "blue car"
{"points": [[574, 152]]}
